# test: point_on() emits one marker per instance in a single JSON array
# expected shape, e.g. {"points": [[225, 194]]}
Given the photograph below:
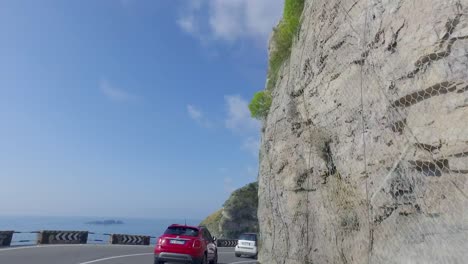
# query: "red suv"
{"points": [[186, 244]]}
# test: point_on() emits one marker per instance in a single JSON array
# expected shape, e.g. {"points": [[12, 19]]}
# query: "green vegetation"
{"points": [[344, 200], [239, 214], [245, 197], [241, 211], [212, 223], [283, 36], [260, 104]]}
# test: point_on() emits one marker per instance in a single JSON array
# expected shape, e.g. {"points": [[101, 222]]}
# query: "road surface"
{"points": [[95, 254]]}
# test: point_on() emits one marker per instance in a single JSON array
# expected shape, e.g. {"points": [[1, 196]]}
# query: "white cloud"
{"points": [[197, 115], [226, 19], [261, 16], [113, 93], [187, 24], [238, 115], [191, 20], [231, 20], [239, 121], [194, 113], [195, 4], [188, 18], [252, 145]]}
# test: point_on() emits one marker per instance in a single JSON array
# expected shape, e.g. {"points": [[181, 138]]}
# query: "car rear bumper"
{"points": [[248, 251], [175, 257]]}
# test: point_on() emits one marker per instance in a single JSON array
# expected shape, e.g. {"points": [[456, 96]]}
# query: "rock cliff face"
{"points": [[364, 155], [238, 215]]}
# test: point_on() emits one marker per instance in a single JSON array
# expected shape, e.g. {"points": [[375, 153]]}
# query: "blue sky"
{"points": [[129, 108]]}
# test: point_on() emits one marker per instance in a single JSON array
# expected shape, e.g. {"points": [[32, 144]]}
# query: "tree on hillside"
{"points": [[260, 104]]}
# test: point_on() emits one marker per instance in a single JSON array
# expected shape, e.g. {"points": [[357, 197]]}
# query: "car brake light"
{"points": [[160, 241], [196, 244]]}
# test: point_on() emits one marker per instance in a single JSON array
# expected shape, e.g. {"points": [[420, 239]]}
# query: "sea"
{"points": [[28, 226]]}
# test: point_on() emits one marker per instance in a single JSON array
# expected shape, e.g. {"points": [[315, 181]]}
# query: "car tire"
{"points": [[215, 260], [204, 260], [238, 255]]}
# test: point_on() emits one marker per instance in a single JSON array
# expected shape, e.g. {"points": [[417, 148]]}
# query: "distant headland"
{"points": [[105, 222]]}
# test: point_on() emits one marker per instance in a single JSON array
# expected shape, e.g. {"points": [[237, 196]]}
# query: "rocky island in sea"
{"points": [[106, 222]]}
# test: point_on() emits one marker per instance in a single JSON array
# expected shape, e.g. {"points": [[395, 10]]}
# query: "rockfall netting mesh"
{"points": [[364, 154]]}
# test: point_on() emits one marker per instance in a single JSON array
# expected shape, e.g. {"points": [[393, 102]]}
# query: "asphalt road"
{"points": [[99, 254]]}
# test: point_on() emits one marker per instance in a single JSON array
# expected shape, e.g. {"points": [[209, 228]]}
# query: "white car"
{"points": [[247, 245]]}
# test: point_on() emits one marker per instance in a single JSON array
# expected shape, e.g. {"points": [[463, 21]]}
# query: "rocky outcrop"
{"points": [[238, 215], [212, 222], [364, 154], [105, 222]]}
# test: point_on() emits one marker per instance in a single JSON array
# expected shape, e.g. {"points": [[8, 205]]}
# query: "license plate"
{"points": [[246, 243], [177, 242]]}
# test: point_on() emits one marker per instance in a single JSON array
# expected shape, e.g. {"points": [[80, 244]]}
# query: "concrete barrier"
{"points": [[226, 242], [62, 237], [5, 238], [119, 239]]}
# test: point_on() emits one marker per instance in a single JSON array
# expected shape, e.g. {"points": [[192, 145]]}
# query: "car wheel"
{"points": [[238, 255], [215, 259], [204, 260]]}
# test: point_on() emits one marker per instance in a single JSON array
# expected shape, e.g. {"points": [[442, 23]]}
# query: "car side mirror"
{"points": [[214, 239]]}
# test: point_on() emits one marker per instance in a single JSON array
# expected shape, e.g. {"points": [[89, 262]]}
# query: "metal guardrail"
{"points": [[83, 237], [72, 237], [23, 241], [226, 242]]}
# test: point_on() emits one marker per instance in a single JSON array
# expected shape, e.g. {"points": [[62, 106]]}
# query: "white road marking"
{"points": [[251, 261], [31, 247], [15, 248], [116, 257], [78, 245], [224, 251]]}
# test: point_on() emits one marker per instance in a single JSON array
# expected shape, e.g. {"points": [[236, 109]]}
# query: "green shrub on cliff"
{"points": [[260, 104], [212, 223], [239, 214], [283, 36]]}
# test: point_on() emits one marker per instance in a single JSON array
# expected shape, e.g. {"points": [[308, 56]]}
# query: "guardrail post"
{"points": [[226, 242], [5, 238], [120, 239], [62, 237]]}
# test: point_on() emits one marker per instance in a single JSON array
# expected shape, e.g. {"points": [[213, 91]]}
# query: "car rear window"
{"points": [[248, 237], [181, 231]]}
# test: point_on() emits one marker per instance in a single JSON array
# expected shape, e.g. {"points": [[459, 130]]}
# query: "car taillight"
{"points": [[160, 241], [196, 244]]}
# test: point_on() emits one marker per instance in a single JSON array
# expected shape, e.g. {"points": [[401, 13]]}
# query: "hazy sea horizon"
{"points": [[131, 226]]}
